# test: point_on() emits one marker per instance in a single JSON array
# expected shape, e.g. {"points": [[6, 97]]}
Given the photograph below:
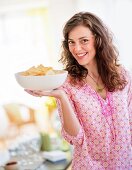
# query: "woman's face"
{"points": [[81, 45]]}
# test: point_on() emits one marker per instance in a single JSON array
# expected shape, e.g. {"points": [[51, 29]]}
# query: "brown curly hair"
{"points": [[106, 52]]}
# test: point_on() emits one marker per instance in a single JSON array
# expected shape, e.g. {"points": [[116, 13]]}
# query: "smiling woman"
{"points": [[95, 101]]}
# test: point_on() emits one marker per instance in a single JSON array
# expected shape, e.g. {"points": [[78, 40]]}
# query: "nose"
{"points": [[77, 47]]}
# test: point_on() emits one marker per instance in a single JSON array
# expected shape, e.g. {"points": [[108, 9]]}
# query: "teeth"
{"points": [[80, 55]]}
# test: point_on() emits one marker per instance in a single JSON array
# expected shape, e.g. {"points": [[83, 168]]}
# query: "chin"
{"points": [[83, 63]]}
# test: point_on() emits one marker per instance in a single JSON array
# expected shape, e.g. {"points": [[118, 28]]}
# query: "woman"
{"points": [[95, 102]]}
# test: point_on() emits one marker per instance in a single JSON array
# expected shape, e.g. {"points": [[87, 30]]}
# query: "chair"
{"points": [[19, 114]]}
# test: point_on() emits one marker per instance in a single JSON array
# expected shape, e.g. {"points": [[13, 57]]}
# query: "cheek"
{"points": [[92, 50], [71, 49]]}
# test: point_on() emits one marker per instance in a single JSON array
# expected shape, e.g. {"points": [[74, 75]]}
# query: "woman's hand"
{"points": [[57, 93]]}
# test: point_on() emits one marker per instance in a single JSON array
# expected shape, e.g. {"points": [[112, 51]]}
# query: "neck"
{"points": [[93, 73], [92, 70]]}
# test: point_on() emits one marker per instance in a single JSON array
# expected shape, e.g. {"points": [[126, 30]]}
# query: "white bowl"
{"points": [[46, 82]]}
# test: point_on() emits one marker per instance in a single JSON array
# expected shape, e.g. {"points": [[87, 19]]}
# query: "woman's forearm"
{"points": [[71, 123]]}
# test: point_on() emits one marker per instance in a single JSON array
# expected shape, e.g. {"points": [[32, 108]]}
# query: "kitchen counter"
{"points": [[60, 165], [30, 164]]}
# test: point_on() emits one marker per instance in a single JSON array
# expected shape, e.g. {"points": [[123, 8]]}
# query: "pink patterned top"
{"points": [[104, 141]]}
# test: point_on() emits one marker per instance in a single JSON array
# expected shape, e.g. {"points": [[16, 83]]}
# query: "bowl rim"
{"points": [[62, 73]]}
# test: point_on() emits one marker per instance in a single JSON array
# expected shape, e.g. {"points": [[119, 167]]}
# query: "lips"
{"points": [[81, 55]]}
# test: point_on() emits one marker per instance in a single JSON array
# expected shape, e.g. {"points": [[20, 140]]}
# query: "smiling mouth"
{"points": [[81, 55]]}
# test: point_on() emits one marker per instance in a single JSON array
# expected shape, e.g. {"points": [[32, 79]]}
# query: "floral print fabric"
{"points": [[104, 141]]}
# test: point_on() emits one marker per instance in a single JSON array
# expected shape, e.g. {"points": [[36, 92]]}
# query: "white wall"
{"points": [[60, 11]]}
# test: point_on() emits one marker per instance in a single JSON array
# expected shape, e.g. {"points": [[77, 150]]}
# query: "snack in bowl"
{"points": [[41, 78], [40, 70]]}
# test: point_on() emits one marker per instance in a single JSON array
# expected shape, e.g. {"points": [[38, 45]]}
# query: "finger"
{"points": [[28, 91], [31, 92], [41, 92], [37, 93]]}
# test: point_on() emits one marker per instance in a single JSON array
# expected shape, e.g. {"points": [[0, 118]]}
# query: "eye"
{"points": [[71, 42], [84, 41]]}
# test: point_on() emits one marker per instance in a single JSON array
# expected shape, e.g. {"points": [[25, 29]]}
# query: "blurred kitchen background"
{"points": [[31, 34]]}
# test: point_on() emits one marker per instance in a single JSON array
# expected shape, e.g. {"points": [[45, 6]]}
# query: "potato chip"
{"points": [[40, 70]]}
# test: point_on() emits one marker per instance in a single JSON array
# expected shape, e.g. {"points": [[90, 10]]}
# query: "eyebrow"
{"points": [[80, 38]]}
